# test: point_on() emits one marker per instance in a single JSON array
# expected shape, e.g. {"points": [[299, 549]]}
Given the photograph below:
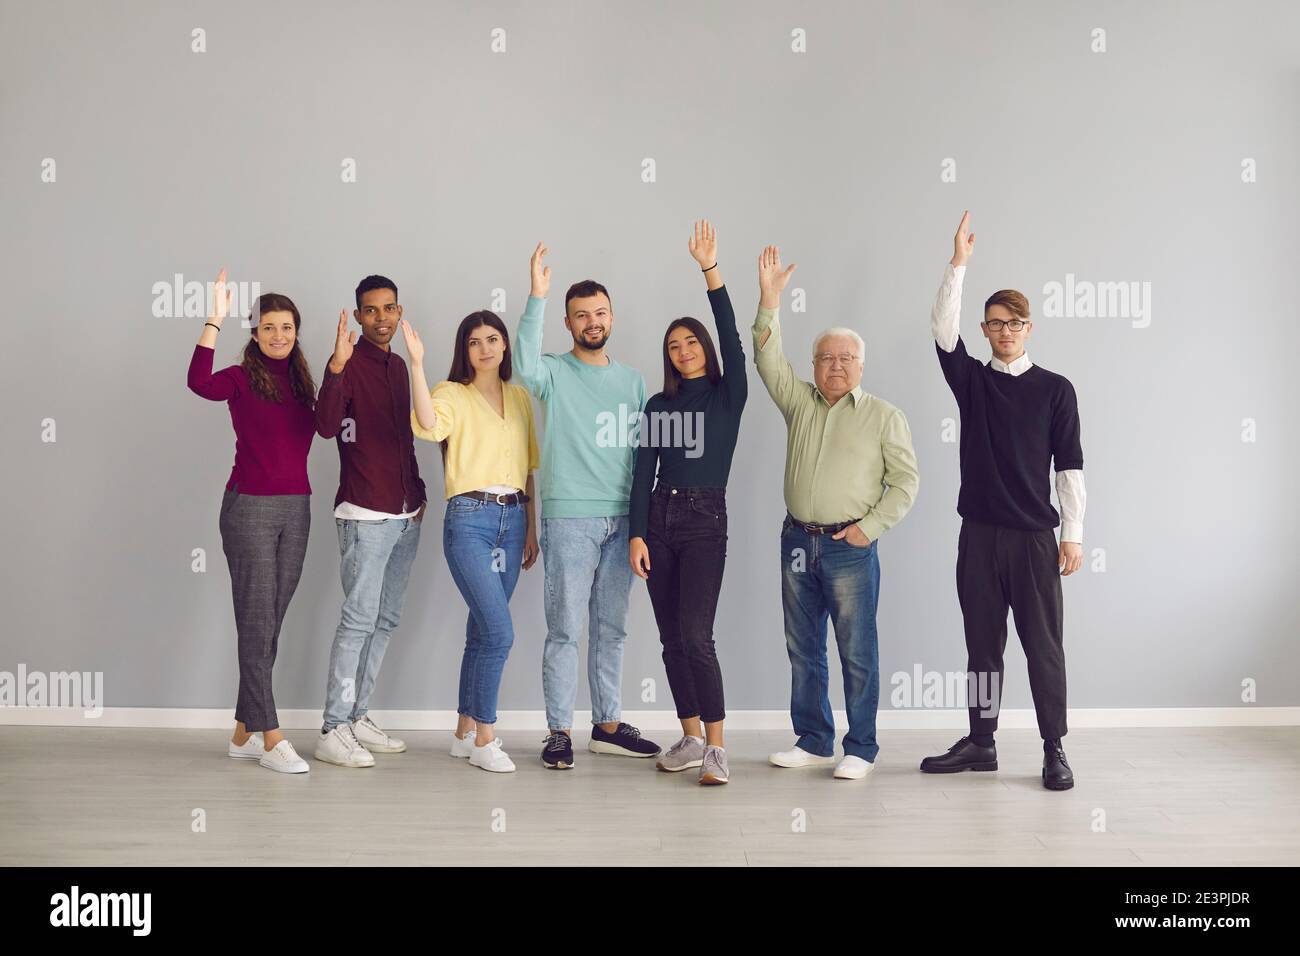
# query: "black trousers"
{"points": [[265, 541], [687, 540], [1000, 568]]}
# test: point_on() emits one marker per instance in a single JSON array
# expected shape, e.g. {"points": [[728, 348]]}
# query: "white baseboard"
{"points": [[658, 720]]}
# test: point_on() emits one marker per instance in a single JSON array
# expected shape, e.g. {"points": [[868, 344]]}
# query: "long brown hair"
{"points": [[462, 369], [672, 377], [262, 381]]}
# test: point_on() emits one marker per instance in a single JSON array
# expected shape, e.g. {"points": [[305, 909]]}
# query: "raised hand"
{"points": [[703, 244], [771, 279], [414, 347], [541, 275], [220, 299], [343, 343], [963, 244]]}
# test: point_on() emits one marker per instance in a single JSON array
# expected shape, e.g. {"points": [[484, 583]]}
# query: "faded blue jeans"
{"points": [[823, 579], [484, 545], [588, 578], [375, 559]]}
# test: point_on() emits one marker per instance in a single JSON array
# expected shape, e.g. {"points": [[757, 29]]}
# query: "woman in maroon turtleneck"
{"points": [[265, 512]]}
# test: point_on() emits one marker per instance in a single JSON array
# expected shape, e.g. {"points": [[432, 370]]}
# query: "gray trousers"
{"points": [[265, 540]]}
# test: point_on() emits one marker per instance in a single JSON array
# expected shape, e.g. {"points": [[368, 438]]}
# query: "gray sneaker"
{"points": [[686, 753], [713, 770]]}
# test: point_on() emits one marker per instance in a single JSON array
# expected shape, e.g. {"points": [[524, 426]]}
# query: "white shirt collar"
{"points": [[1014, 367]]}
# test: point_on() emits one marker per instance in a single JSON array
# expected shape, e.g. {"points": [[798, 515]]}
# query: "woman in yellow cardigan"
{"points": [[489, 453]]}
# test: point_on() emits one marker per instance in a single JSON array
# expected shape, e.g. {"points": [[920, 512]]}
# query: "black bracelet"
{"points": [[714, 266], [214, 325]]}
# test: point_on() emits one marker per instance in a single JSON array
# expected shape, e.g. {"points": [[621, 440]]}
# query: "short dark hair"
{"points": [[370, 283], [583, 289]]}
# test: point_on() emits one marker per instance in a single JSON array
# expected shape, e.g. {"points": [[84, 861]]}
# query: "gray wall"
{"points": [[1115, 166]]}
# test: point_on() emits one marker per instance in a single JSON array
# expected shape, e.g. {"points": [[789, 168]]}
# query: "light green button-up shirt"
{"points": [[849, 461]]}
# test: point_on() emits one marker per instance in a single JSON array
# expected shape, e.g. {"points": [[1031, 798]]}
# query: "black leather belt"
{"points": [[811, 528], [515, 498]]}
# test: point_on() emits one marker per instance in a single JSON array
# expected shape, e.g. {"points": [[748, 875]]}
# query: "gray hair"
{"points": [[840, 330]]}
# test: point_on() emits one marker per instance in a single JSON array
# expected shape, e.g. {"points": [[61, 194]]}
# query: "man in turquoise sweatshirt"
{"points": [[593, 408]]}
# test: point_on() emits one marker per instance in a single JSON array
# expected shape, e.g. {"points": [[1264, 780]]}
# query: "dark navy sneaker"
{"points": [[557, 753], [625, 741]]}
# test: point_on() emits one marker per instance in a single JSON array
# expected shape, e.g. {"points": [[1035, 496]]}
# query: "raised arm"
{"points": [[224, 385], [433, 414], [527, 360], [947, 304], [773, 368], [703, 246], [332, 399]]}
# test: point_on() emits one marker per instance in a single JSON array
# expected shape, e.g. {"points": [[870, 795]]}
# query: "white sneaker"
{"points": [[250, 749], [374, 739], [341, 747], [491, 757], [284, 758], [462, 746], [798, 757], [853, 768]]}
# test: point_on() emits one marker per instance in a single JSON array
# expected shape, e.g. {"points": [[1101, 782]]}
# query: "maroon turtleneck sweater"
{"points": [[272, 439]]}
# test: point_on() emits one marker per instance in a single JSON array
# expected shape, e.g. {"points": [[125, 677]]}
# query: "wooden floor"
{"points": [[127, 797]]}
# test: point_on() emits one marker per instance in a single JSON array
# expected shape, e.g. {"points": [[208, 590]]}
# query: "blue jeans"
{"points": [[375, 564], [822, 579], [484, 545], [587, 576]]}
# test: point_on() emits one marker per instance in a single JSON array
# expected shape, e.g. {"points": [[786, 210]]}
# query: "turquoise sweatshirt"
{"points": [[592, 416]]}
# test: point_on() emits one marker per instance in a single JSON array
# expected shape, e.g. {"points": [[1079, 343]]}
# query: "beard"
{"points": [[583, 342]]}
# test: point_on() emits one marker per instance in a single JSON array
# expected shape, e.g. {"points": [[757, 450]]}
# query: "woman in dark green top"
{"points": [[689, 430]]}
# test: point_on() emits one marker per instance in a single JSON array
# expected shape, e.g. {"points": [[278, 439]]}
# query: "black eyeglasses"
{"points": [[995, 325]]}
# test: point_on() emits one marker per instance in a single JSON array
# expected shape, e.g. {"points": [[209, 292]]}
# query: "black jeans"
{"points": [[1000, 568], [687, 540]]}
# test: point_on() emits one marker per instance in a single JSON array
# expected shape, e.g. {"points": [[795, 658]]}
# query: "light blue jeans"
{"points": [[484, 545], [588, 578], [375, 564]]}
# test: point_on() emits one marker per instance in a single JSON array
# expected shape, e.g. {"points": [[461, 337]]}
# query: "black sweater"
{"points": [[719, 402], [1013, 428]]}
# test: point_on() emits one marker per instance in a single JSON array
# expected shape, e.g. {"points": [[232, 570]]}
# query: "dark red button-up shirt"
{"points": [[377, 467]]}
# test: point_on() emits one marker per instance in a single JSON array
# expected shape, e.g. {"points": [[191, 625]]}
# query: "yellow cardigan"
{"points": [[482, 448]]}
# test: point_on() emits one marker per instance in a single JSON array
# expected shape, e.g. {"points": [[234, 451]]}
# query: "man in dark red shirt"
{"points": [[365, 403]]}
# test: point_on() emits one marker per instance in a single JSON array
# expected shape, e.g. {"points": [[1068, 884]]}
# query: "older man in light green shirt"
{"points": [[850, 476]]}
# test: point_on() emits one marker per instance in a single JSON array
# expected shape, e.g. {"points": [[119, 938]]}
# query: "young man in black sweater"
{"points": [[1017, 421]]}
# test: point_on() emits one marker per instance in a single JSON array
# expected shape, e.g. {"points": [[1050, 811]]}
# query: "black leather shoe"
{"points": [[965, 754], [1057, 774]]}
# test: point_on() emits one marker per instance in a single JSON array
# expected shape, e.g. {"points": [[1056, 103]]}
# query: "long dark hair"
{"points": [[462, 369], [261, 380], [672, 377]]}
